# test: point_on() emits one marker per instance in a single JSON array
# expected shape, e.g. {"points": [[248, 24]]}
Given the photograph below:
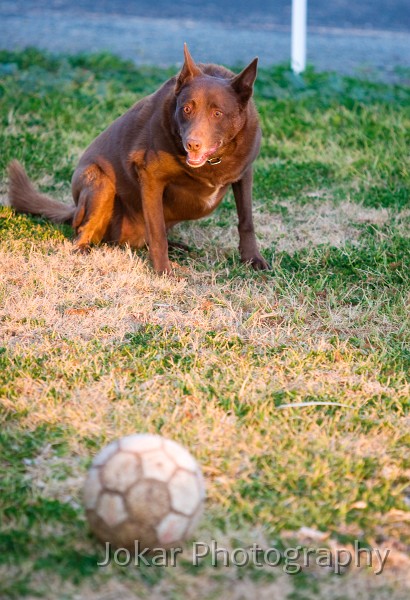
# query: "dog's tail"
{"points": [[25, 198]]}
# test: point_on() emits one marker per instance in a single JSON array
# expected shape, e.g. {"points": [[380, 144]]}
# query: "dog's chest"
{"points": [[210, 197], [213, 199], [193, 199]]}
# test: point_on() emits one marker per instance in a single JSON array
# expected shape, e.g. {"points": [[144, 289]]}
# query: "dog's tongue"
{"points": [[195, 159]]}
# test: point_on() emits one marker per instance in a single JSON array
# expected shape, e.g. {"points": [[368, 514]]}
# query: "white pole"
{"points": [[298, 59]]}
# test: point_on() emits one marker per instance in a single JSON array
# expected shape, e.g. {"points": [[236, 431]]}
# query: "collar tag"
{"points": [[214, 161]]}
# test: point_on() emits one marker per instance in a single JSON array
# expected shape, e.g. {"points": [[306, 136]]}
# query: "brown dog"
{"points": [[170, 158]]}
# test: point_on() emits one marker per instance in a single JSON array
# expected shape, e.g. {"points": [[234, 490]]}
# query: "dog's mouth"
{"points": [[195, 159]]}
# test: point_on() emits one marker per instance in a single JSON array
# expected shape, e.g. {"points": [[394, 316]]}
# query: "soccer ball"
{"points": [[144, 488]]}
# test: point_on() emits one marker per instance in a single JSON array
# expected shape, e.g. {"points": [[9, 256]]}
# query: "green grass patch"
{"points": [[25, 227]]}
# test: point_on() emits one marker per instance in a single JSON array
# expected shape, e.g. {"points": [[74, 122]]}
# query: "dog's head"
{"points": [[210, 109]]}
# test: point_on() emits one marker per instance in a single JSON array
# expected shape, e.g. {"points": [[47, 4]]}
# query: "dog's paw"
{"points": [[82, 248], [173, 270], [163, 268], [257, 262]]}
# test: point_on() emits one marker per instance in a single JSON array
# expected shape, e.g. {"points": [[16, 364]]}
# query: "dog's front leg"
{"points": [[248, 247], [156, 235]]}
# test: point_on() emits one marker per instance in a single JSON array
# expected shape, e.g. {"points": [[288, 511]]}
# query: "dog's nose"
{"points": [[193, 145]]}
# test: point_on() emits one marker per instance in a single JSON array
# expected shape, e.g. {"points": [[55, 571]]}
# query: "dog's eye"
{"points": [[187, 109], [217, 113]]}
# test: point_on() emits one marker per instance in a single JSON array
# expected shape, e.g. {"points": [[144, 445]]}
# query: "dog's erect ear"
{"points": [[188, 72], [243, 83]]}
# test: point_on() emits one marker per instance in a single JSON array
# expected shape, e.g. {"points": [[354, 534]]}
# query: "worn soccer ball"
{"points": [[144, 488]]}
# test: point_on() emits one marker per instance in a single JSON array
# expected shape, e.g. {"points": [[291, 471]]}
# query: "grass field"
{"points": [[218, 357]]}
